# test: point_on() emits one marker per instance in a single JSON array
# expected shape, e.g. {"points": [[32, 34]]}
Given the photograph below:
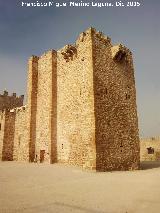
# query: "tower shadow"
{"points": [[149, 165]]}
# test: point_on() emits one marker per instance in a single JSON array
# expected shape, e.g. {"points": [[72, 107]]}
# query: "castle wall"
{"points": [[117, 140], [21, 145], [9, 102], [46, 107], [2, 122], [75, 104], [8, 137], [150, 149]]}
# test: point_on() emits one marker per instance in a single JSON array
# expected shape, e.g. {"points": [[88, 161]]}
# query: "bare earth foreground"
{"points": [[57, 188]]}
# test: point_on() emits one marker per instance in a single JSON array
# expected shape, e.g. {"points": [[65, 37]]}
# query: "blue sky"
{"points": [[31, 31]]}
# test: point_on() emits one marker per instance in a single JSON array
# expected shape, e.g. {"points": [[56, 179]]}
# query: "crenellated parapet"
{"points": [[150, 139], [10, 101]]}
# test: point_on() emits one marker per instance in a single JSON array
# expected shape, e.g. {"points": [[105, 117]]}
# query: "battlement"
{"points": [[90, 32], [34, 58], [10, 101], [150, 139], [5, 93]]}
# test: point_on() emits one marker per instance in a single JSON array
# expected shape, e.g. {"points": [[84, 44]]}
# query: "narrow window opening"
{"points": [[128, 96], [19, 140], [106, 91], [121, 147], [0, 126], [62, 145]]}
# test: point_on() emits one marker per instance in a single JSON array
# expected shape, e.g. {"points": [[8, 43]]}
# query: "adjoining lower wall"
{"points": [[150, 149], [8, 137], [21, 144], [2, 122], [9, 102]]}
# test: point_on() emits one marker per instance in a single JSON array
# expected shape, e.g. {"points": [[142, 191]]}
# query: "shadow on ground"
{"points": [[150, 165]]}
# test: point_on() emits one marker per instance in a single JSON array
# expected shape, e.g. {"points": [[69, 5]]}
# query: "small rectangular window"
{"points": [[150, 150]]}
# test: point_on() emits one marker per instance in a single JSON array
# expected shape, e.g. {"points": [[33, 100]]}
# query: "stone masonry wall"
{"points": [[150, 149], [2, 122], [9, 102], [46, 103], [8, 138], [75, 104], [21, 145], [117, 139], [31, 110]]}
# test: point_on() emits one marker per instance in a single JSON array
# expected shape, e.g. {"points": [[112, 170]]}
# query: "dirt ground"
{"points": [[41, 188]]}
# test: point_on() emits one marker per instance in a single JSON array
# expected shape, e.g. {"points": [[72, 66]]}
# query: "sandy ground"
{"points": [[40, 188]]}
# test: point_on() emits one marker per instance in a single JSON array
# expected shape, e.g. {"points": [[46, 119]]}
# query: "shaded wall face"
{"points": [[9, 102], [31, 110], [44, 119], [150, 149], [2, 122], [75, 104], [8, 137], [117, 140], [21, 145]]}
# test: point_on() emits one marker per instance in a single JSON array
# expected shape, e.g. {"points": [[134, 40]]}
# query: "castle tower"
{"points": [[97, 125], [81, 107]]}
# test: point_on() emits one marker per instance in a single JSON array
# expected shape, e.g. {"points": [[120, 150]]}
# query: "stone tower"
{"points": [[81, 107], [86, 105]]}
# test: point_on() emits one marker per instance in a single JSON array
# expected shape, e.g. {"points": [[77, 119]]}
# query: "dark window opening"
{"points": [[121, 147], [128, 96], [150, 150], [62, 145], [19, 141], [0, 126], [106, 91]]}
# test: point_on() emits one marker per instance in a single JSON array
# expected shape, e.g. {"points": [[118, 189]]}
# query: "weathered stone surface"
{"points": [[21, 145], [9, 102], [81, 107]]}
